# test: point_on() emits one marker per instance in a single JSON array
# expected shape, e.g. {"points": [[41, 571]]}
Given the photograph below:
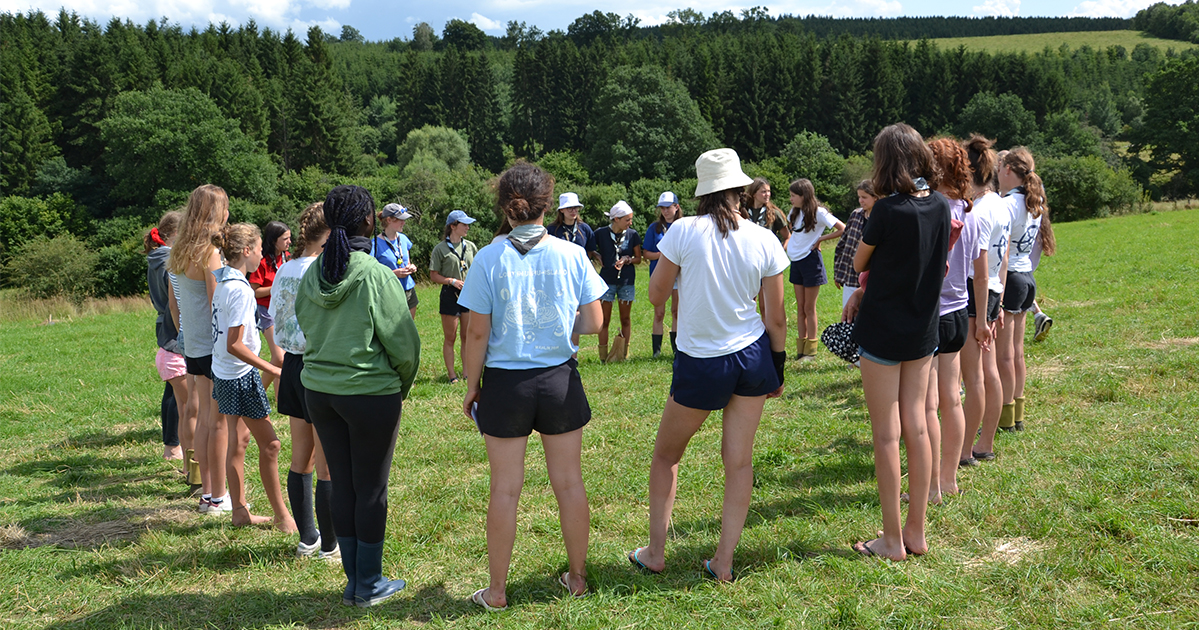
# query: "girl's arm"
{"points": [[772, 288], [440, 279], [637, 255], [239, 350], [479, 328], [983, 333], [172, 304], [662, 280], [838, 229], [260, 291], [210, 281], [588, 319], [862, 257], [649, 255]]}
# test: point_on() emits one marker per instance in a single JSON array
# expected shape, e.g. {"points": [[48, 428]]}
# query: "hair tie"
{"points": [[337, 227], [155, 237]]}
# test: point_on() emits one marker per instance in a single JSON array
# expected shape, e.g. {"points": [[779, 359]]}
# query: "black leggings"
{"points": [[170, 416], [358, 434]]}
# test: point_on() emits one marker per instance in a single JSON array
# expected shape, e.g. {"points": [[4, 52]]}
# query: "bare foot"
{"points": [[877, 547], [934, 499], [915, 545], [242, 518], [286, 525], [718, 573], [172, 452], [643, 559], [576, 584]]}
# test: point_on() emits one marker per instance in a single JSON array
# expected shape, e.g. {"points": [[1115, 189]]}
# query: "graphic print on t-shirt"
{"points": [[530, 312]]}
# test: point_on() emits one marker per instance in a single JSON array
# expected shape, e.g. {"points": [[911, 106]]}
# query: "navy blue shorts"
{"points": [[1019, 292], [808, 271], [709, 383]]}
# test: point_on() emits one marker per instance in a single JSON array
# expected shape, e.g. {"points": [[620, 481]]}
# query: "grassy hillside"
{"points": [[1040, 41], [1087, 518]]}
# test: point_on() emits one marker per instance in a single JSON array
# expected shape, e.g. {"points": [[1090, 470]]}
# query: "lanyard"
{"points": [[462, 264], [759, 216], [618, 243]]}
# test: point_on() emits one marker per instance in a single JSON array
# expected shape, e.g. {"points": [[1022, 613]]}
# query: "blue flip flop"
{"points": [[712, 574], [633, 559]]}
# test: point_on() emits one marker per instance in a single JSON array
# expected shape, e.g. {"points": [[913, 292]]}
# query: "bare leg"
{"points": [[934, 431], [566, 478], [1019, 355], [464, 321], [677, 427], [992, 402], [739, 422], [914, 381], [809, 323], [506, 459], [449, 333], [268, 471], [952, 422], [235, 468], [303, 439], [971, 361], [798, 289], [1005, 362], [187, 413], [606, 310], [626, 320]]}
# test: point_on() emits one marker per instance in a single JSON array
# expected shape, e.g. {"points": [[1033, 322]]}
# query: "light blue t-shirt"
{"points": [[394, 255], [532, 300]]}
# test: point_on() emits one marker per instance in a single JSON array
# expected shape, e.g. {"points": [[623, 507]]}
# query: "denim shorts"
{"points": [[863, 354], [623, 292]]}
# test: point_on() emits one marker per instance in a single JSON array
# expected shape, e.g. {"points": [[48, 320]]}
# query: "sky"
{"points": [[383, 19]]}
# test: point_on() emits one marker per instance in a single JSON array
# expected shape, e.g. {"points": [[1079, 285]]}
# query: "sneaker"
{"points": [[205, 504], [333, 555], [220, 507], [1041, 326], [304, 551]]}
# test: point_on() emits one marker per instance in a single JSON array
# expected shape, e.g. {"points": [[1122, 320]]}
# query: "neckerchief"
{"points": [[568, 232], [524, 237], [462, 263], [618, 242], [759, 216]]}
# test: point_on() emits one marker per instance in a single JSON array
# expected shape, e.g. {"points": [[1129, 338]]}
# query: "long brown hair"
{"points": [[900, 158], [312, 225], [1020, 161], [955, 174], [803, 188], [982, 159], [662, 227], [206, 212], [724, 209]]}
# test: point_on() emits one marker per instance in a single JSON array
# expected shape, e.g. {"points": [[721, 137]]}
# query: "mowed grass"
{"points": [[1088, 518], [1037, 42]]}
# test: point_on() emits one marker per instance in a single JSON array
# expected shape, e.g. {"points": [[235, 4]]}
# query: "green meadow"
{"points": [[1037, 42], [1087, 519]]}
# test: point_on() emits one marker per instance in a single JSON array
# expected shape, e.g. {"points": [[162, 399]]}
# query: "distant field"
{"points": [[1039, 41]]}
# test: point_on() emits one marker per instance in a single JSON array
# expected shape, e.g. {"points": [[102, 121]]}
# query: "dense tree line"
{"points": [[122, 120], [1169, 21]]}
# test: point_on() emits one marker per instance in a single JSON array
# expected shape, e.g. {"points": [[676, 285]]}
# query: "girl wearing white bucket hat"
{"points": [[620, 248], [728, 359]]}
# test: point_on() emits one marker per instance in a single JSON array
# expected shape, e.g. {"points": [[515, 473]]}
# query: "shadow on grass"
{"points": [[84, 476], [104, 439], [103, 526]]}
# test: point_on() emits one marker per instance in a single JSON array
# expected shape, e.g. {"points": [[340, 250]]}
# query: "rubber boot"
{"points": [[810, 347], [656, 345], [371, 587], [603, 354], [1006, 417], [1019, 413], [349, 548], [193, 468], [674, 346]]}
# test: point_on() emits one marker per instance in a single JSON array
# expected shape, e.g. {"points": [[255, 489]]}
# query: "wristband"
{"points": [[779, 359]]}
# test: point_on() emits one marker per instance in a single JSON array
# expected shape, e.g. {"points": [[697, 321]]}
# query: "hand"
{"points": [[404, 272], [776, 394], [620, 263], [273, 370], [470, 400], [816, 247], [837, 284], [850, 311], [983, 336], [457, 284]]}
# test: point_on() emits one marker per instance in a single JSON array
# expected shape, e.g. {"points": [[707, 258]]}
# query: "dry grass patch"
{"points": [[78, 535], [1170, 343], [1008, 551]]}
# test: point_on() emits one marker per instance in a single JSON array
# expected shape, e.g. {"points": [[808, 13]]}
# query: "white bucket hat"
{"points": [[620, 209], [569, 200], [717, 170]]}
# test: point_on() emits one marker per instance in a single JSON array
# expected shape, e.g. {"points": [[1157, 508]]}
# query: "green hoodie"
{"points": [[361, 339]]}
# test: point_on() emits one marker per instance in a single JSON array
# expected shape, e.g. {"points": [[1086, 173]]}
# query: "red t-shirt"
{"points": [[264, 276]]}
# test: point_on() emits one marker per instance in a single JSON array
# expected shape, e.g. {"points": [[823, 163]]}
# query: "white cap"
{"points": [[569, 200], [667, 199], [620, 209], [717, 170]]}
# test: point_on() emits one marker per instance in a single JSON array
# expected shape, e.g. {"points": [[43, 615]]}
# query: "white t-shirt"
{"points": [[800, 244], [1024, 233], [233, 305], [718, 281], [283, 304], [995, 225]]}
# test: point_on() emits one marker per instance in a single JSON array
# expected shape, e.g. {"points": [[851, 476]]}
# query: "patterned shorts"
{"points": [[243, 396]]}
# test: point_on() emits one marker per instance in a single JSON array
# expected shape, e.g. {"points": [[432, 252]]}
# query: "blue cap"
{"points": [[667, 199], [458, 216]]}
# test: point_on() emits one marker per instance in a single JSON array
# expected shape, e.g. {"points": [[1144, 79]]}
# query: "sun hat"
{"points": [[396, 210], [569, 200], [619, 209], [458, 216], [667, 199], [717, 170], [837, 338]]}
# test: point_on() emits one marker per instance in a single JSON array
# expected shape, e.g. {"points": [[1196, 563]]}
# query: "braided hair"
{"points": [[346, 207]]}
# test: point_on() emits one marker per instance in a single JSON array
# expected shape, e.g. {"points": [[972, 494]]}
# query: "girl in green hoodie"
{"points": [[360, 359]]}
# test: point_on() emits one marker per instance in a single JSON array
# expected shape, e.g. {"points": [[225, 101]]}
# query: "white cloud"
{"points": [[274, 12], [998, 8], [330, 4], [329, 26], [486, 24], [1109, 8]]}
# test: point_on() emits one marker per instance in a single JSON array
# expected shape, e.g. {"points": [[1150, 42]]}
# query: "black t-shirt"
{"points": [[899, 314], [611, 247], [771, 219]]}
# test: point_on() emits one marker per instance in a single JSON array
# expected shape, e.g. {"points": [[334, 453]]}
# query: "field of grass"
{"points": [[1037, 42], [1087, 519]]}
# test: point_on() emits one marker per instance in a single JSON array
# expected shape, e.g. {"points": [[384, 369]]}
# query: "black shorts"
{"points": [[515, 403], [289, 390], [448, 302], [709, 383], [993, 311], [199, 366], [808, 271], [411, 296], [1019, 291], [952, 331]]}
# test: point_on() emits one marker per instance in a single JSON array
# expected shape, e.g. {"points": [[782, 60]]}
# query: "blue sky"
{"points": [[380, 19]]}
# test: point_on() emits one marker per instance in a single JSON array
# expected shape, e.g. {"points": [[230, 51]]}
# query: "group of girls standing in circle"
{"points": [[934, 240]]}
